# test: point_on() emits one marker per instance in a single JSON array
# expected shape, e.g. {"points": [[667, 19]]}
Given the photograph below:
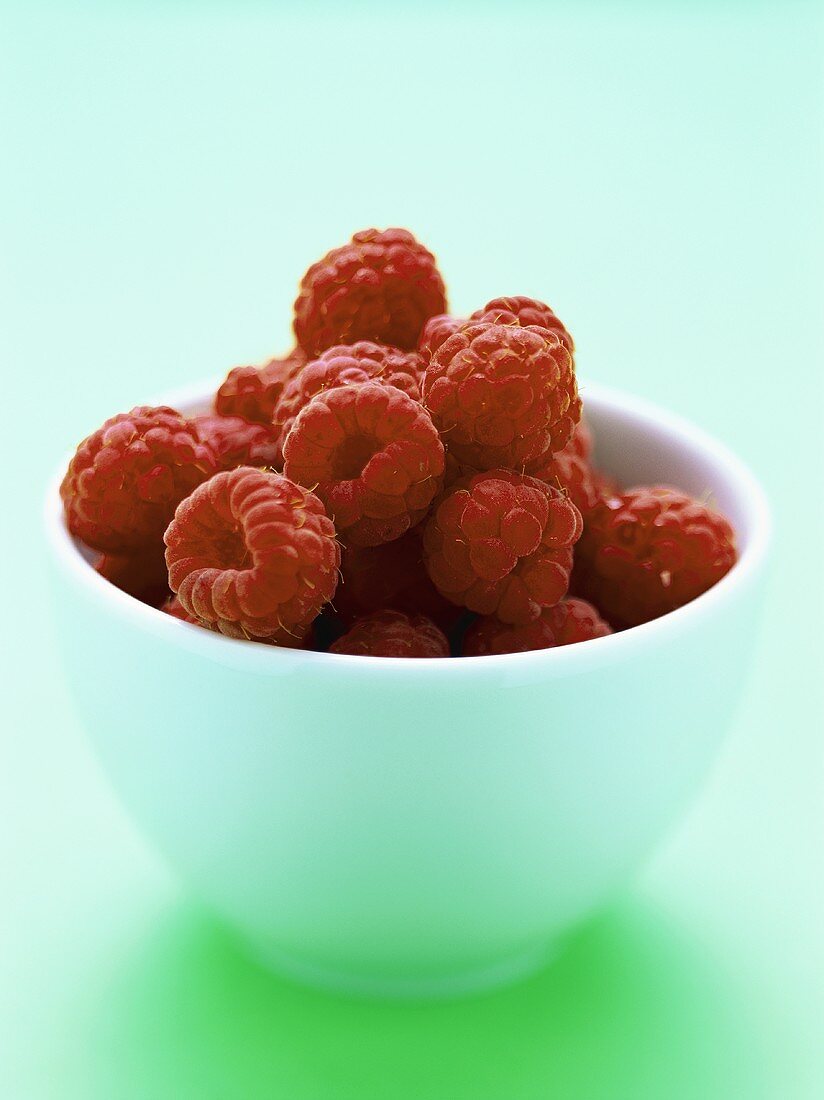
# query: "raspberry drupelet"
{"points": [[383, 285], [372, 455], [342, 365], [568, 471], [253, 392], [126, 479], [581, 442], [649, 551], [393, 634], [253, 555], [175, 608], [524, 312], [391, 575], [437, 331], [500, 543], [502, 396], [238, 442], [568, 622]]}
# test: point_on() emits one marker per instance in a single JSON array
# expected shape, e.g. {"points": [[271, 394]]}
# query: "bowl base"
{"points": [[464, 983]]}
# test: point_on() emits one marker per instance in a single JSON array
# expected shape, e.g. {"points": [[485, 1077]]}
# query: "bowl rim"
{"points": [[260, 657]]}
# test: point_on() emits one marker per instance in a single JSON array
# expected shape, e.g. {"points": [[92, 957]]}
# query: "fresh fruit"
{"points": [[502, 396], [393, 634], [383, 285], [253, 555], [501, 544], [649, 551], [567, 622], [126, 479], [372, 455]]}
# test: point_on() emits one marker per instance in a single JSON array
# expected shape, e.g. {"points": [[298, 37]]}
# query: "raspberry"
{"points": [[649, 551], [342, 365], [524, 312], [393, 634], [501, 543], [455, 471], [253, 392], [568, 471], [126, 479], [373, 456], [501, 395], [391, 575], [381, 286], [175, 608], [238, 442], [142, 574], [581, 441], [437, 331], [253, 555], [568, 622]]}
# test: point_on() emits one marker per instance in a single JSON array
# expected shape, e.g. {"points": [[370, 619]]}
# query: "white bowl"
{"points": [[418, 827]]}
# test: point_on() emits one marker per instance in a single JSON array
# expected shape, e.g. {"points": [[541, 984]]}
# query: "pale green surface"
{"points": [[655, 173]]}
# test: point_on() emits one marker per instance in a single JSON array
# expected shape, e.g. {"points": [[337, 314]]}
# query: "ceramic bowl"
{"points": [[418, 827]]}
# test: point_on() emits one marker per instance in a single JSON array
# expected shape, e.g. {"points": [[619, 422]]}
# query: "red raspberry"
{"points": [[391, 575], [373, 455], [524, 312], [649, 551], [568, 471], [437, 331], [175, 608], [342, 365], [455, 471], [568, 622], [393, 634], [126, 479], [142, 574], [381, 286], [253, 555], [581, 441], [253, 392], [501, 395], [238, 442], [501, 544]]}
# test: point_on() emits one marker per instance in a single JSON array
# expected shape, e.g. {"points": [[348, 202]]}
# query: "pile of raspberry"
{"points": [[404, 483]]}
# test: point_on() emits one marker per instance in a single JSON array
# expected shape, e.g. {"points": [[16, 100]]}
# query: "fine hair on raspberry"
{"points": [[649, 551], [238, 442], [566, 623], [501, 544], [390, 633], [126, 479], [253, 393], [437, 331], [253, 555], [372, 455], [342, 365], [566, 470], [524, 312], [383, 285], [502, 396]]}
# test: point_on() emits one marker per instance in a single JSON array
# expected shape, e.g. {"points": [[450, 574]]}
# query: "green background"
{"points": [[655, 172]]}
